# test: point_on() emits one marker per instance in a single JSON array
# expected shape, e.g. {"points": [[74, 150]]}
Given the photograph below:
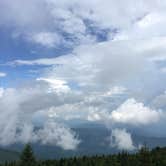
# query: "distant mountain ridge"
{"points": [[94, 140], [8, 155]]}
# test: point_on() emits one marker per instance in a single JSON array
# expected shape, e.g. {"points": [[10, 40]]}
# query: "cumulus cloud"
{"points": [[19, 126], [27, 107], [121, 139], [135, 113], [107, 68], [129, 114], [53, 133], [149, 26], [96, 75], [44, 22], [99, 81], [53, 17], [46, 39]]}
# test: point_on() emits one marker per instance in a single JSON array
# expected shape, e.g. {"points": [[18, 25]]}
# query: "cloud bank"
{"points": [[16, 123]]}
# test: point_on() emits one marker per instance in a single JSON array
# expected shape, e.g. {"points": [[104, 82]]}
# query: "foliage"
{"points": [[144, 157], [27, 157]]}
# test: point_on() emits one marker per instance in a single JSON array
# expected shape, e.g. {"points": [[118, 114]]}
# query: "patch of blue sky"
{"points": [[73, 85], [12, 48], [18, 74], [17, 48], [101, 34]]}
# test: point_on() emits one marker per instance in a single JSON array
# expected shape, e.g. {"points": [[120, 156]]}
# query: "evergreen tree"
{"points": [[27, 157], [145, 156]]}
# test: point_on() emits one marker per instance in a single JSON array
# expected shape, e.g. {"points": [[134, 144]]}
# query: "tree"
{"points": [[27, 157], [145, 156]]}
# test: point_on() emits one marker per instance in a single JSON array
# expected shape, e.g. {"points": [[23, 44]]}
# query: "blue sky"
{"points": [[95, 61], [17, 47]]}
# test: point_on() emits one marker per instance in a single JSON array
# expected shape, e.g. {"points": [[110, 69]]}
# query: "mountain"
{"points": [[94, 140], [8, 155]]}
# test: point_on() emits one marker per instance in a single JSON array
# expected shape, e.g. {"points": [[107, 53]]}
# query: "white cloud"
{"points": [[149, 20], [108, 64], [98, 75], [121, 139], [17, 110], [134, 113], [97, 10], [151, 25], [56, 84], [28, 106], [43, 22], [46, 39], [116, 90], [43, 61], [116, 61], [53, 17], [95, 115], [94, 65], [53, 133]]}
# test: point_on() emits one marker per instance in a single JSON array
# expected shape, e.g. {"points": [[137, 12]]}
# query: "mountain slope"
{"points": [[94, 140], [7, 155]]}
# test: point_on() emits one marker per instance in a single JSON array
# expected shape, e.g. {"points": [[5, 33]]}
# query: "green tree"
{"points": [[27, 157], [145, 156]]}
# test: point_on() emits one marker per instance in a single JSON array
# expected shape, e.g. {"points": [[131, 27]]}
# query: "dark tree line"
{"points": [[144, 157]]}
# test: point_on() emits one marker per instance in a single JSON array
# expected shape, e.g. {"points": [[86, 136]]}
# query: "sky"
{"points": [[99, 61]]}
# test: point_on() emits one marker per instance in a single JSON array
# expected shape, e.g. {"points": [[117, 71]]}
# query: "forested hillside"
{"points": [[7, 155], [144, 157]]}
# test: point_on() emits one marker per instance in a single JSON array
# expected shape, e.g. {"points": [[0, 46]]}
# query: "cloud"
{"points": [[28, 107], [76, 105], [116, 90], [2, 74], [134, 113], [121, 139], [53, 133], [107, 68], [53, 20], [56, 84], [159, 101], [18, 108], [105, 81], [151, 25], [44, 23], [43, 61], [96, 81], [46, 39]]}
